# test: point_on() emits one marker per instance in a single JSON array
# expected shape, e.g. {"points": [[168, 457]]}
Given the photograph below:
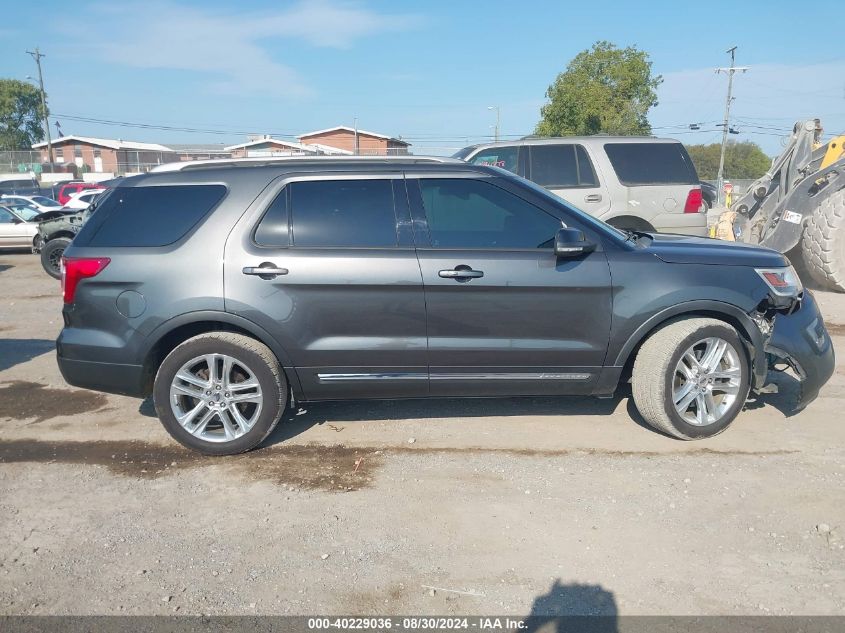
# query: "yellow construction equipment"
{"points": [[798, 206]]}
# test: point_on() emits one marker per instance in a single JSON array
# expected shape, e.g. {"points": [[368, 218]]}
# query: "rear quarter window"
{"points": [[651, 163], [148, 216]]}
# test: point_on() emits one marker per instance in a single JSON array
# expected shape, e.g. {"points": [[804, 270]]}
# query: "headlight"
{"points": [[784, 282]]}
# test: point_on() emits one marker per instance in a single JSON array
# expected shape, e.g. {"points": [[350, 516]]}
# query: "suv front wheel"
{"points": [[691, 378], [220, 393]]}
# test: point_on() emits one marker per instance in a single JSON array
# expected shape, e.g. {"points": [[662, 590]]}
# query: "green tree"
{"points": [[603, 89], [20, 115], [742, 160]]}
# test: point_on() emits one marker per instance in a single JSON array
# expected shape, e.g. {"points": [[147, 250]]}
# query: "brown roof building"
{"points": [[107, 155], [356, 141], [268, 146]]}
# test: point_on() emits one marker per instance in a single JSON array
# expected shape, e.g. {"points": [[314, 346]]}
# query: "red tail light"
{"points": [[75, 269], [694, 200]]}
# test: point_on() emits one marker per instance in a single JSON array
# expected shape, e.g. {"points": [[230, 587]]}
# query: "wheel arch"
{"points": [[168, 335], [731, 314], [629, 221], [61, 233]]}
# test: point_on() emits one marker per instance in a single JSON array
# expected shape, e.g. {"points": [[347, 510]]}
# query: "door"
{"points": [[342, 292], [504, 315], [567, 171], [14, 232]]}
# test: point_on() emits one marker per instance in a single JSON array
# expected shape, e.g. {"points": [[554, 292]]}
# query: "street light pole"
{"points": [[37, 55], [498, 121]]}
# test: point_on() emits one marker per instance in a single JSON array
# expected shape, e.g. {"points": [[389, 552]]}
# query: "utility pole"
{"points": [[498, 121], [720, 177], [357, 149], [37, 55]]}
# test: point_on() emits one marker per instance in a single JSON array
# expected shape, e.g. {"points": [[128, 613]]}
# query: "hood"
{"points": [[684, 249], [51, 215]]}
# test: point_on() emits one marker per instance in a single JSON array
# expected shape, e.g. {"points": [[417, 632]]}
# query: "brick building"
{"points": [[199, 151], [356, 141], [268, 146], [107, 155]]}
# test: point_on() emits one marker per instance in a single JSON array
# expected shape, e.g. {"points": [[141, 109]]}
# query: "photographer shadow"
{"points": [[573, 607]]}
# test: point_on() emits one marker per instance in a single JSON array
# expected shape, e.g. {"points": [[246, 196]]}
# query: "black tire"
{"points": [[823, 243], [51, 256], [654, 375], [256, 356]]}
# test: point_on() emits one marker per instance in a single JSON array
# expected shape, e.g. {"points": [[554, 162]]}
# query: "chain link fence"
{"points": [[20, 162]]}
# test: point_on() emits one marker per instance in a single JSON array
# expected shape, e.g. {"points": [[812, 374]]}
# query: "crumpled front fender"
{"points": [[801, 340]]}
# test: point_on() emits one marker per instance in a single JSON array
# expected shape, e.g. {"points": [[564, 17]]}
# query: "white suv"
{"points": [[630, 182]]}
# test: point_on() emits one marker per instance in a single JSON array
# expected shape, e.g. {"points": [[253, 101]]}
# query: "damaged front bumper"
{"points": [[800, 340]]}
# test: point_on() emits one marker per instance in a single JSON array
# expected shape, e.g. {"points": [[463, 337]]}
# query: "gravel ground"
{"points": [[541, 505]]}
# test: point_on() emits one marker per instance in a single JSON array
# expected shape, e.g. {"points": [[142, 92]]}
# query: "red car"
{"points": [[73, 187]]}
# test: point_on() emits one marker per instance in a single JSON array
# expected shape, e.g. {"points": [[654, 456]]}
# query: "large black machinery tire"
{"points": [[823, 243]]}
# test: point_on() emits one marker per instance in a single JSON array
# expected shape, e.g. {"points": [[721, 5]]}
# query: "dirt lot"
{"points": [[510, 507]]}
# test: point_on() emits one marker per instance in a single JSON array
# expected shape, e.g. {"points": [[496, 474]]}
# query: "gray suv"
{"points": [[229, 289]]}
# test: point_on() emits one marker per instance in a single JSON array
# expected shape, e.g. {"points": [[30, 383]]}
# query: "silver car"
{"points": [[16, 227], [630, 182]]}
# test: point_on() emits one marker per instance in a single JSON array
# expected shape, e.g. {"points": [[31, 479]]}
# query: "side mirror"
{"points": [[571, 242]]}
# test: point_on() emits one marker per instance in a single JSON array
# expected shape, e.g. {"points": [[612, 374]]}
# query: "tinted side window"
{"points": [[353, 213], [273, 228], [148, 216], [554, 166], [464, 213], [6, 217], [504, 157], [651, 163], [586, 173]]}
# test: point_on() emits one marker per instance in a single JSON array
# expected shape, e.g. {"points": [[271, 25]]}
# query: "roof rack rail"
{"points": [[275, 160]]}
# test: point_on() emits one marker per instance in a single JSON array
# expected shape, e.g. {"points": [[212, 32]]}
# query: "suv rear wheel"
{"points": [[691, 378], [220, 393]]}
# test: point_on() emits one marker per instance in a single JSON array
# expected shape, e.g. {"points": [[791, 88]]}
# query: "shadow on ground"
{"points": [[786, 398], [299, 419], [573, 607], [14, 351]]}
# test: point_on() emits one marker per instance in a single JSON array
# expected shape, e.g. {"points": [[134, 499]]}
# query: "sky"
{"points": [[426, 71]]}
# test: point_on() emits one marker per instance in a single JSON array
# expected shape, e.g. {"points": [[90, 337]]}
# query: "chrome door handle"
{"points": [[593, 197], [461, 272], [265, 270]]}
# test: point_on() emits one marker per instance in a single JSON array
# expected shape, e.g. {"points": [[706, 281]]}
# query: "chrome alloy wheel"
{"points": [[706, 381], [216, 398]]}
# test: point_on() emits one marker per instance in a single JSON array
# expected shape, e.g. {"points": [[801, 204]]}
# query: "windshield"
{"points": [[24, 212], [45, 202], [461, 154]]}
